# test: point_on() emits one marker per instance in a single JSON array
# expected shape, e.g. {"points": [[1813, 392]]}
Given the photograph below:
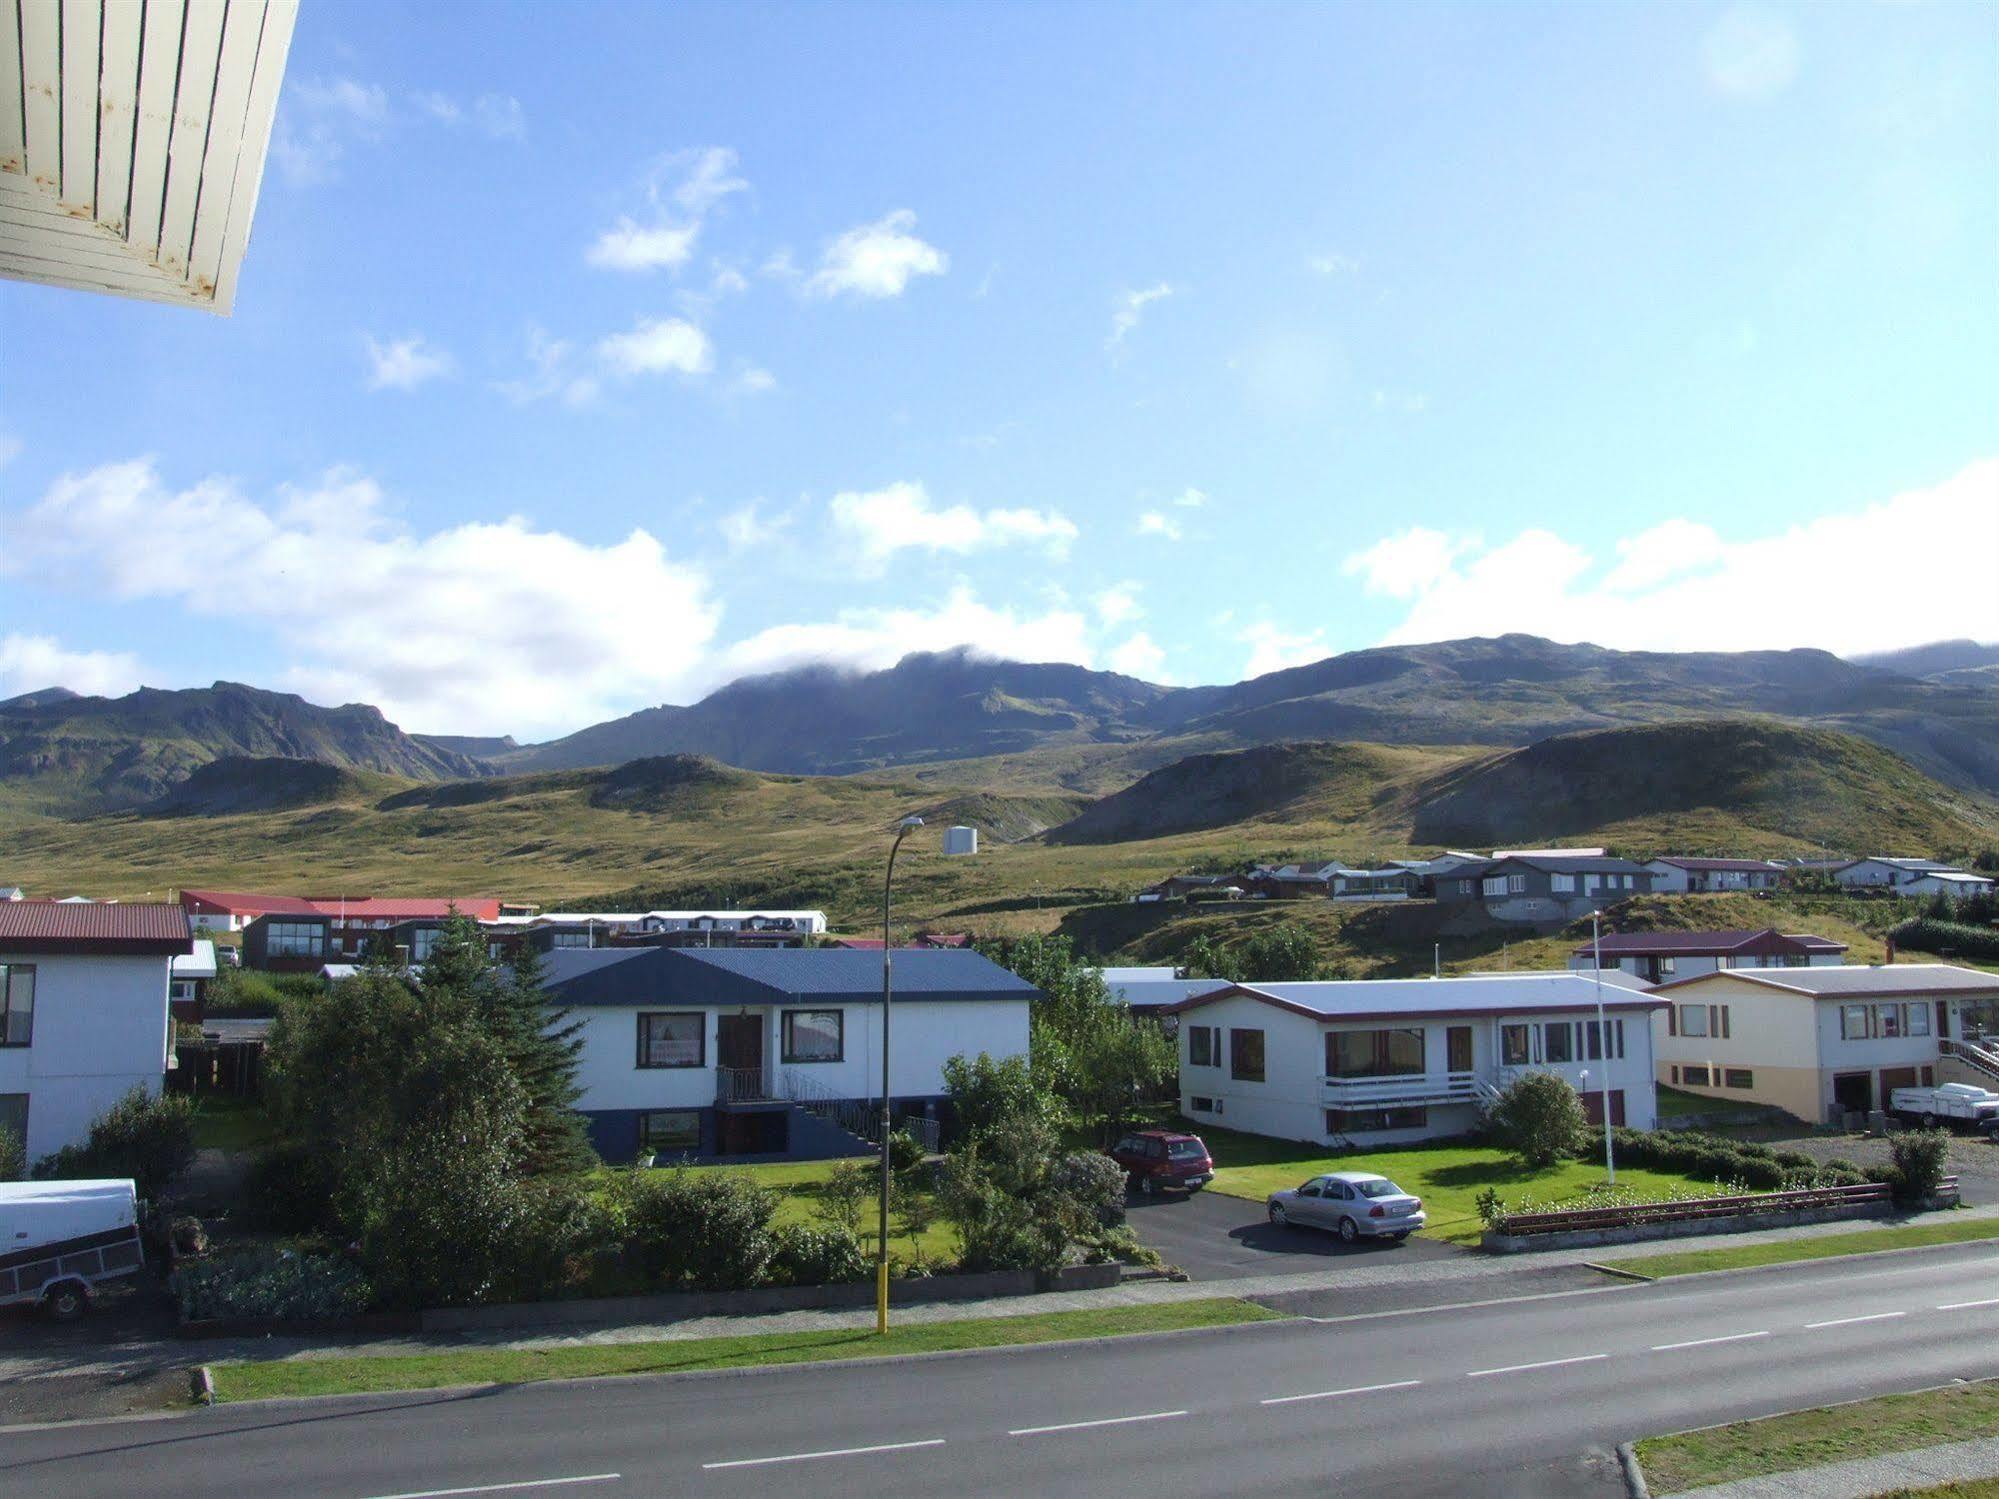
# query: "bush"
{"points": [[1539, 1118], [806, 1256], [561, 1234], [705, 1230], [13, 1156], [1959, 939], [1094, 1182], [987, 1094], [147, 1137], [270, 1282], [848, 1189], [286, 1191], [1920, 1155], [905, 1152], [443, 1215]]}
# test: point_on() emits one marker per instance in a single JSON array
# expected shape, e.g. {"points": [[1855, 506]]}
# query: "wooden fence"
{"points": [[1582, 1219]]}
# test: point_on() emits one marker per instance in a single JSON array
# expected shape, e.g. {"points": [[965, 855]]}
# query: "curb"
{"points": [[1620, 1274], [1634, 1472], [201, 1384]]}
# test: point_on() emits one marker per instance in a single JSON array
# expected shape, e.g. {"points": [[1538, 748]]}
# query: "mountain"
{"points": [[237, 784], [1511, 689], [37, 699], [1934, 659], [72, 754], [477, 746]]}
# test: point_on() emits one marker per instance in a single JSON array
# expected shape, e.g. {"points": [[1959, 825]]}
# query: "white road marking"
{"points": [[1546, 1363], [1958, 1306], [1734, 1337], [501, 1488], [1037, 1431], [1366, 1389], [806, 1457], [1849, 1321]]}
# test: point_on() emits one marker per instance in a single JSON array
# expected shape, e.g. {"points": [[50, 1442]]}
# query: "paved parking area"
{"points": [[1213, 1237]]}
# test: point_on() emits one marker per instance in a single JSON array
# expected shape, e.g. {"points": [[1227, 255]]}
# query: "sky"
{"points": [[585, 358]]}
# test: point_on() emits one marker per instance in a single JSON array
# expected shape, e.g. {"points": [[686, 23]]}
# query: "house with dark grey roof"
{"points": [[1660, 957], [1676, 874], [1544, 886], [745, 1054]]}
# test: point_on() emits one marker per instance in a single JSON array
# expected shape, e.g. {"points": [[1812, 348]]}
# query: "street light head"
{"points": [[911, 821]]}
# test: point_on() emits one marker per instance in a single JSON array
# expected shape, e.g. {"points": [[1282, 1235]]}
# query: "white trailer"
{"points": [[59, 1240], [1958, 1103]]}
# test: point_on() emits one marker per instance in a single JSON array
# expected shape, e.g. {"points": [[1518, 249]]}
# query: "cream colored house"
{"points": [[1815, 1040]]}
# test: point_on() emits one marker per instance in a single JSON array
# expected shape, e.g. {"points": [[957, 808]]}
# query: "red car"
{"points": [[1156, 1158]]}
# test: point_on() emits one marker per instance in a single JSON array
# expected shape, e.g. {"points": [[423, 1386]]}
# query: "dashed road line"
{"points": [[1546, 1363], [806, 1457], [1365, 1389], [1849, 1321], [502, 1488], [1733, 1337], [1038, 1431], [1958, 1306]]}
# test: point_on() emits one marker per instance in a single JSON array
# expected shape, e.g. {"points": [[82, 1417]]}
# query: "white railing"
{"points": [[856, 1116], [1410, 1088]]}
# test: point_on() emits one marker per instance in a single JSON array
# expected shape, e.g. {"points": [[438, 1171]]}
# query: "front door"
{"points": [[1593, 1107], [1853, 1091], [739, 1051]]}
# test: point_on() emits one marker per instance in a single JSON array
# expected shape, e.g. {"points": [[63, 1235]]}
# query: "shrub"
{"points": [[1539, 1118], [1920, 1155], [806, 1256], [1959, 939], [442, 1215], [905, 1152], [850, 1185], [562, 1232], [986, 1094], [286, 1191], [13, 1156], [1094, 1183], [707, 1230], [271, 1282], [147, 1137]]}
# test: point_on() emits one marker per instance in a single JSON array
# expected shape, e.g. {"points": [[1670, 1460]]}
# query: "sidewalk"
{"points": [[1924, 1467]]}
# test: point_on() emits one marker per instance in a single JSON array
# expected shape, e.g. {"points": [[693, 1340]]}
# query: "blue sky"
{"points": [[585, 358]]}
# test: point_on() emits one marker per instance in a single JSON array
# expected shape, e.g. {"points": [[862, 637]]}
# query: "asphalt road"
{"points": [[1213, 1237], [1521, 1397]]}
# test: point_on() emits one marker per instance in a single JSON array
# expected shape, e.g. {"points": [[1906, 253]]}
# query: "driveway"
{"points": [[1213, 1237]]}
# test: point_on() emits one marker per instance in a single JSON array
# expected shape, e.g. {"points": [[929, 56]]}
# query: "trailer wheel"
{"points": [[1929, 1121], [66, 1300]]}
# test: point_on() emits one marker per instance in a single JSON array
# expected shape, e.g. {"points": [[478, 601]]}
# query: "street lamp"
{"points": [[953, 846], [1602, 1041]]}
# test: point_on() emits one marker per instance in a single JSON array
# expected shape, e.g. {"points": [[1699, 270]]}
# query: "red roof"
{"points": [[236, 903], [355, 907], [103, 926], [1710, 944]]}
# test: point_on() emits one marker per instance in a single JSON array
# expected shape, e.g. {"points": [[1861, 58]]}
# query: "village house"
{"points": [[1882, 872], [746, 1053], [1543, 886], [83, 1012], [1657, 957], [1378, 1061], [1821, 1042], [1677, 875]]}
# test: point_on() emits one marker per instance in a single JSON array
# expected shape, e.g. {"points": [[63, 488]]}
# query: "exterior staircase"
{"points": [[860, 1118], [1968, 1062]]}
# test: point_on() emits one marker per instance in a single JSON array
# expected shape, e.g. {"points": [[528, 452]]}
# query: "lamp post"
{"points": [[1602, 1040]]}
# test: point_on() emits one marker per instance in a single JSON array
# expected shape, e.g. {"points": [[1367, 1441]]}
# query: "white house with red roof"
{"points": [[83, 1011], [1385, 1061]]}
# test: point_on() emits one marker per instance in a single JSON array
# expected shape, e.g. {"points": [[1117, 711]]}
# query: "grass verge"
{"points": [[1830, 1434], [1912, 1236], [1970, 1488], [264, 1379]]}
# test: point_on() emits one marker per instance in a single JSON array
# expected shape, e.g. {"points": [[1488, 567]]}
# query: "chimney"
{"points": [[1891, 951]]}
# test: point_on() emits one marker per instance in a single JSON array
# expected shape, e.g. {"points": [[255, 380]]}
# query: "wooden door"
{"points": [[739, 1042]]}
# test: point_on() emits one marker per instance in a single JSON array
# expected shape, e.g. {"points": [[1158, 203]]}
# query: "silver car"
{"points": [[1353, 1204]]}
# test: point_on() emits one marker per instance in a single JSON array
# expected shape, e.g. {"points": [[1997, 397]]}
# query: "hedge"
{"points": [[1757, 1167], [1926, 934]]}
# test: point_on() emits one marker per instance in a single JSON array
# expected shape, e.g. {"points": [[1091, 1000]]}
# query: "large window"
{"points": [[294, 939], [1246, 1055], [17, 1004], [1365, 1121], [1513, 1045], [1888, 1021], [1384, 1053], [1593, 1040], [1494, 885], [813, 1035], [677, 1039], [670, 1132], [1558, 1042], [1693, 1020], [1562, 884], [1853, 1022], [1918, 1023], [1204, 1046], [14, 1115]]}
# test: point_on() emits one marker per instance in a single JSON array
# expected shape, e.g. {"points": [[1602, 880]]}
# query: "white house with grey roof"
{"points": [[1882, 871], [1383, 1061], [1543, 885], [771, 1053]]}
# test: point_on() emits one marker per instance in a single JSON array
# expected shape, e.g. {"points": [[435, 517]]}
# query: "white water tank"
{"points": [[961, 840]]}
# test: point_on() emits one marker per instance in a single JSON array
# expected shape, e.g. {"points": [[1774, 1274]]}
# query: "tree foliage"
{"points": [[1018, 1203], [148, 1137], [13, 1155], [1539, 1118], [1284, 953]]}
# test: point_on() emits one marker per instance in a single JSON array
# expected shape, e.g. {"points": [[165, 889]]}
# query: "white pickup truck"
{"points": [[1950, 1103], [59, 1240]]}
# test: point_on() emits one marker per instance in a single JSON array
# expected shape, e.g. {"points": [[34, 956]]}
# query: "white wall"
{"points": [[922, 1037], [100, 1028]]}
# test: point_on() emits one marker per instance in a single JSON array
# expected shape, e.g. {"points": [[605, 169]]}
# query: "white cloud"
{"points": [[555, 375], [404, 363], [1407, 563], [486, 627], [899, 516], [876, 260], [1331, 265], [1272, 649], [1750, 54], [627, 246], [706, 175], [1191, 499], [319, 120], [29, 663], [1118, 604], [1131, 307], [751, 525], [1158, 523], [1139, 657], [10, 449], [1913, 568], [753, 380], [870, 639], [498, 116], [658, 346]]}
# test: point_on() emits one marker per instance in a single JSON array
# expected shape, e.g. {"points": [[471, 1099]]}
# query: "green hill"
{"points": [[242, 783]]}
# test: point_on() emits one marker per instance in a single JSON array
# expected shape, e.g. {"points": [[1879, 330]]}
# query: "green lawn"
{"points": [[232, 1124], [1447, 1177], [1830, 1434], [1971, 1488], [1912, 1236], [339, 1376]]}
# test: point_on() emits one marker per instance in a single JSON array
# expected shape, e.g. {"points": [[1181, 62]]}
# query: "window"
{"points": [[1201, 1105], [1593, 1040], [1669, 965], [1204, 1046], [1853, 1022], [814, 1035], [294, 939], [670, 1132], [1888, 1022], [1693, 1020], [1513, 1045], [1562, 884], [1457, 1048], [1364, 1121], [14, 1115], [422, 940], [1496, 885], [1384, 1053], [568, 939], [1246, 1055], [1919, 1020], [1696, 1077], [1738, 1077], [1559, 1042], [679, 1039], [1516, 884], [17, 1004]]}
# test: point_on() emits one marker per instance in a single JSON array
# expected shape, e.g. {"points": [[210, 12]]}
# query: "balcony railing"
{"points": [[742, 1085], [1408, 1088]]}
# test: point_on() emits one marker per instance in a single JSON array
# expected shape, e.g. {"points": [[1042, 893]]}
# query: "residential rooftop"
{"points": [[1706, 944], [1858, 981], [763, 976], [93, 927], [1469, 994]]}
